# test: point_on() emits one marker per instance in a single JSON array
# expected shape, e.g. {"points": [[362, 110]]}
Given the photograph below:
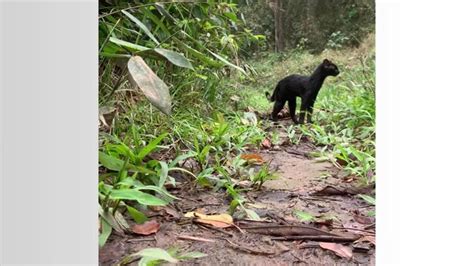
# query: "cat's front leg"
{"points": [[305, 103], [310, 112]]}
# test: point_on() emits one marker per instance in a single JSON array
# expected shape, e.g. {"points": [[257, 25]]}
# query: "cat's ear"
{"points": [[326, 61]]}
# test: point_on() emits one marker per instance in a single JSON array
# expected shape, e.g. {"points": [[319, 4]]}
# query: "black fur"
{"points": [[305, 87]]}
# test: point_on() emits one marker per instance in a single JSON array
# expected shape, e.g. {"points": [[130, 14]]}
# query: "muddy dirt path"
{"points": [[304, 184]]}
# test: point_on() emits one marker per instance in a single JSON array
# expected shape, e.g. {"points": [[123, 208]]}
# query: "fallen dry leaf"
{"points": [[214, 223], [219, 220], [253, 158], [146, 228], [340, 250], [167, 210], [266, 143]]}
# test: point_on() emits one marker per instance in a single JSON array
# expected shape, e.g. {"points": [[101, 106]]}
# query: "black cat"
{"points": [[305, 87]]}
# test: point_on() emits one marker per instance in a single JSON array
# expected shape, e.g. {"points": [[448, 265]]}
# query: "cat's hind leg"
{"points": [[276, 109], [292, 105]]}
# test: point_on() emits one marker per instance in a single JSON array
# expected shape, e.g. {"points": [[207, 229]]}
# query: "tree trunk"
{"points": [[279, 39]]}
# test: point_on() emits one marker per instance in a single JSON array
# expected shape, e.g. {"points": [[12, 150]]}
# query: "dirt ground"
{"points": [[303, 184]]}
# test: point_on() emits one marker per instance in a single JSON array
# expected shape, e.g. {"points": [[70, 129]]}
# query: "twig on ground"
{"points": [[354, 229], [318, 238], [370, 226], [184, 237], [238, 228]]}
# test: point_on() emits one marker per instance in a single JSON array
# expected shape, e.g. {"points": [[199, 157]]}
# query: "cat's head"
{"points": [[330, 68]]}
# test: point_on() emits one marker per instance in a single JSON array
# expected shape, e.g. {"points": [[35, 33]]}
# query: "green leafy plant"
{"points": [[262, 175], [157, 256]]}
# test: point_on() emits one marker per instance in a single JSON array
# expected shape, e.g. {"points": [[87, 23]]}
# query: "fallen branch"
{"points": [[370, 226], [324, 238], [287, 230], [354, 229]]}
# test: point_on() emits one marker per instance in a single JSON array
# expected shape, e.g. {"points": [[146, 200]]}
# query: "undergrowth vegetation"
{"points": [[215, 108], [344, 113]]}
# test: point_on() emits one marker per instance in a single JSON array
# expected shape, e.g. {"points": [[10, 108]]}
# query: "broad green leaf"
{"points": [[111, 55], [304, 216], [155, 90], [182, 157], [174, 57], [141, 197], [112, 220], [121, 220], [146, 261], [110, 162], [205, 151], [130, 45], [156, 20], [232, 16], [106, 231], [137, 215], [228, 63], [253, 215], [161, 190], [151, 146], [163, 174], [367, 198], [205, 59], [141, 169], [116, 164], [156, 254], [141, 25], [192, 255]]}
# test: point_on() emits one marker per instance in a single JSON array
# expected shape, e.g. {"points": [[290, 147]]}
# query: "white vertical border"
{"points": [[48, 140], [387, 127]]}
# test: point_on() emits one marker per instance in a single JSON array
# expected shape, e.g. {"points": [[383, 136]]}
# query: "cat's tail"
{"points": [[272, 97]]}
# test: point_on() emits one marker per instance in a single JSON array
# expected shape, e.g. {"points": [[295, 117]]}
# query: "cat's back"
{"points": [[294, 79]]}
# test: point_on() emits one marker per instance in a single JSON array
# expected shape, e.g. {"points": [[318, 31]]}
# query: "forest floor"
{"points": [[303, 184], [320, 207]]}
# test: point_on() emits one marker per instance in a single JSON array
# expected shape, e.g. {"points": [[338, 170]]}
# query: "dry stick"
{"points": [[216, 229], [370, 226], [184, 237], [288, 228], [318, 238], [321, 198], [354, 229], [308, 245], [238, 228]]}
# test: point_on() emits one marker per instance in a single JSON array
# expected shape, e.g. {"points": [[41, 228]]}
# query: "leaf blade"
{"points": [[155, 90], [141, 25]]}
